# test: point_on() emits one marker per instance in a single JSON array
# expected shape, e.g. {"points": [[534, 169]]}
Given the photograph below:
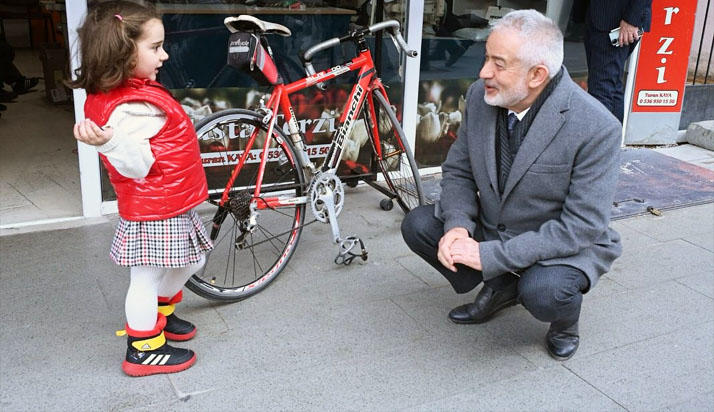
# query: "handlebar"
{"points": [[393, 25]]}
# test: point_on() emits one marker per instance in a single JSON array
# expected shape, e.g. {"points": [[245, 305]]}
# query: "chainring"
{"points": [[318, 187]]}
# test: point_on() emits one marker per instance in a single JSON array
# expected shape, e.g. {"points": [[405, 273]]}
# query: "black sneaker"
{"points": [[178, 329], [25, 84], [146, 360], [148, 354]]}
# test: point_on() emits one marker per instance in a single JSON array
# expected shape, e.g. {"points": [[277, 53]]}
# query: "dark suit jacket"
{"points": [[556, 205], [605, 15]]}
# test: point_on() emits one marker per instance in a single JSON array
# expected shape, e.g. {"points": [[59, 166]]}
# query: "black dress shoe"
{"points": [[562, 344], [7, 97], [486, 304]]}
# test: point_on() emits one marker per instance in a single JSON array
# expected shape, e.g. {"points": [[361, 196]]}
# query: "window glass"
{"points": [[198, 75], [453, 45]]}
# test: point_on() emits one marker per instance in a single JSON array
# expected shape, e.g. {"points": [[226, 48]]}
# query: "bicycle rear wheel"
{"points": [[244, 263], [396, 162]]}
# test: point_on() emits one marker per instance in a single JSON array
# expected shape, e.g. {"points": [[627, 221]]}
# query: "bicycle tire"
{"points": [[396, 163], [235, 271]]}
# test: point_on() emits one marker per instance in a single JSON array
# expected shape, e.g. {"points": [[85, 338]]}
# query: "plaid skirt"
{"points": [[171, 243]]}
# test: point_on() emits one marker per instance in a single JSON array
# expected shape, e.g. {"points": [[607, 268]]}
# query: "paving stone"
{"points": [[675, 224], [631, 237], [422, 270], [372, 381], [705, 163], [643, 266], [553, 389], [607, 322], [701, 134], [686, 152], [605, 287], [371, 336], [63, 365], [700, 282], [700, 403], [704, 240], [654, 373]]}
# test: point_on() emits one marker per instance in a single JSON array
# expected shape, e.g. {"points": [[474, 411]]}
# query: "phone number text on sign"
{"points": [[657, 97]]}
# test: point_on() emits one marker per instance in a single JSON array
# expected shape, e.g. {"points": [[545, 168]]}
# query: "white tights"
{"points": [[147, 284]]}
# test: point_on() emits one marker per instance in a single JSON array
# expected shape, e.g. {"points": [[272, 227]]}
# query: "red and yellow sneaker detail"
{"points": [[148, 354]]}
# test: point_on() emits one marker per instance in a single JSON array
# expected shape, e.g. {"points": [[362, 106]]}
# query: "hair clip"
{"points": [[119, 17]]}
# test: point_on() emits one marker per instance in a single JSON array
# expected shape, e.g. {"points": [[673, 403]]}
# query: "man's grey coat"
{"points": [[557, 200]]}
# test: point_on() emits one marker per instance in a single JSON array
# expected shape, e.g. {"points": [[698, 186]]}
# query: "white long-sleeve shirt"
{"points": [[129, 150]]}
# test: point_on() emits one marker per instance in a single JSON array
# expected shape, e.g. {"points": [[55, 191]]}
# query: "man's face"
{"points": [[504, 76]]}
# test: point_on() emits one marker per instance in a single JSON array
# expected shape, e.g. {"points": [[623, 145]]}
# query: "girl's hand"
{"points": [[88, 132]]}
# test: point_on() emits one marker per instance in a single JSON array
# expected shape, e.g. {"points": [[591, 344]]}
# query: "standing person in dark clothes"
{"points": [[606, 63], [9, 74]]}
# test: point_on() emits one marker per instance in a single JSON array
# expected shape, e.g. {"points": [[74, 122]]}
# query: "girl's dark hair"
{"points": [[108, 44]]}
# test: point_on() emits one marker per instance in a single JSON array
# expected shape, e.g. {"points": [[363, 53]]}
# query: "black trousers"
{"points": [[606, 69], [550, 293], [8, 72]]}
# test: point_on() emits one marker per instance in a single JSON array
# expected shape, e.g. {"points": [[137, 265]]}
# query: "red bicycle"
{"points": [[255, 217]]}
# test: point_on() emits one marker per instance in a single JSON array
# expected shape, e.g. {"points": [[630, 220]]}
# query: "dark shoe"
{"points": [[148, 354], [486, 304], [562, 344], [3, 107], [176, 328], [7, 97], [455, 55], [25, 84]]}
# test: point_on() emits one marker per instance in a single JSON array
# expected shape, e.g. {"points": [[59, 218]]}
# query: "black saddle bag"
{"points": [[249, 52]]}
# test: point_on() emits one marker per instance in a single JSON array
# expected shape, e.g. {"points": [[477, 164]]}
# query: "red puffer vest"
{"points": [[176, 181]]}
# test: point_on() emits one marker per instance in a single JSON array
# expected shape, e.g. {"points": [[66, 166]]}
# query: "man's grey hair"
{"points": [[542, 39]]}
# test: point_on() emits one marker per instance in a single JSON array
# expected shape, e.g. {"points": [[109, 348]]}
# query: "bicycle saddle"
{"points": [[247, 23]]}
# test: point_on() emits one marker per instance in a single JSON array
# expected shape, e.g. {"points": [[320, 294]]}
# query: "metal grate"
{"points": [[705, 77]]}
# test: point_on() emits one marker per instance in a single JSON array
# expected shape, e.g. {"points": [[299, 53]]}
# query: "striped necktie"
{"points": [[512, 121], [506, 151]]}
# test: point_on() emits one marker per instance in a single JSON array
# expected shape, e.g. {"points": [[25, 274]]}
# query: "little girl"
{"points": [[149, 148]]}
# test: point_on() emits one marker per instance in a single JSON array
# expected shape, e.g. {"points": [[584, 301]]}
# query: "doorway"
{"points": [[38, 154]]}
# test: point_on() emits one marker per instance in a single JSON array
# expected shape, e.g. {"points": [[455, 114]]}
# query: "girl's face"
{"points": [[150, 53]]}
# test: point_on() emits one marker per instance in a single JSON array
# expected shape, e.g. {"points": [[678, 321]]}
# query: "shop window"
{"points": [[200, 78], [453, 45]]}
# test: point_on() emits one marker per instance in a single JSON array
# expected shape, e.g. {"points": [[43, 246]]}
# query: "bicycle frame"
{"points": [[279, 102]]}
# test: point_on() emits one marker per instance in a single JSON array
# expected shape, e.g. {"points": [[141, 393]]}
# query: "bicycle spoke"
{"points": [[396, 163], [227, 274], [255, 260], [269, 238]]}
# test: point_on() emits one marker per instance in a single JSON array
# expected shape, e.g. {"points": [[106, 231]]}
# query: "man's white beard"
{"points": [[508, 97]]}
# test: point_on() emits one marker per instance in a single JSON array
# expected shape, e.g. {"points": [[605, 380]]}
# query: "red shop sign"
{"points": [[664, 56]]}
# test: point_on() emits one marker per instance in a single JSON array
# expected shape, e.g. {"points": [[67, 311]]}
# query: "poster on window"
{"points": [[440, 110], [317, 112]]}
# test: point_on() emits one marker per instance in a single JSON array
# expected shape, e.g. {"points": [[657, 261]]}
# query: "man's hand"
{"points": [[88, 132], [628, 33], [445, 244], [467, 252]]}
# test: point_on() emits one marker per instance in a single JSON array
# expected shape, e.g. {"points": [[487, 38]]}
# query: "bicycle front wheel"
{"points": [[396, 162], [244, 261]]}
